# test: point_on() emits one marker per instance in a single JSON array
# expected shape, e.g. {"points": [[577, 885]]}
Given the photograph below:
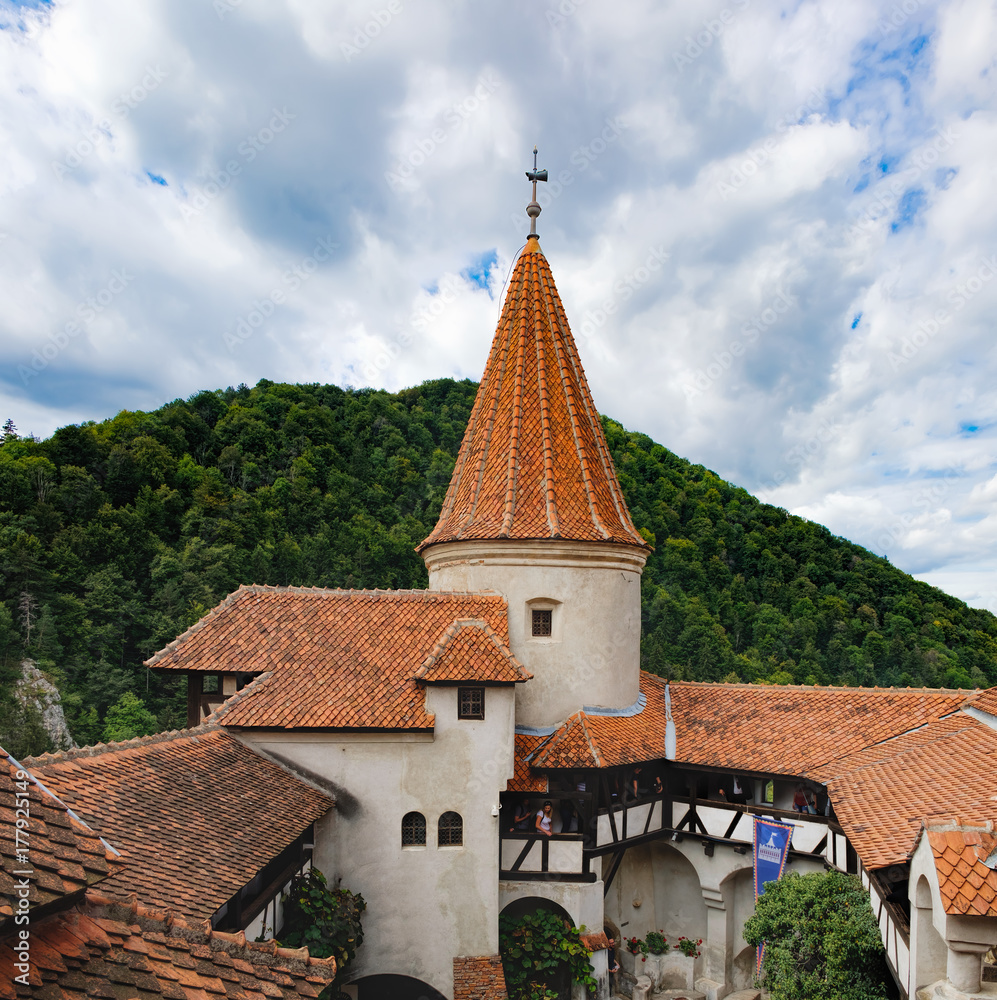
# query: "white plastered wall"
{"points": [[685, 892], [424, 905], [593, 588]]}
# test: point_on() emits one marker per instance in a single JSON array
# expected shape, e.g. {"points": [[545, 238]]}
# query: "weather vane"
{"points": [[533, 209]]}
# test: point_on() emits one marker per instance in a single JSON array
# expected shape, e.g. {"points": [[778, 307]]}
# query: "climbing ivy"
{"points": [[325, 920], [537, 950]]}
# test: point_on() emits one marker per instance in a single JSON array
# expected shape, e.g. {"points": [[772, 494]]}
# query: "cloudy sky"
{"points": [[773, 225]]}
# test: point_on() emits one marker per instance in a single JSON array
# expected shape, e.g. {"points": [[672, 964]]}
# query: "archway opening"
{"points": [[931, 952], [388, 987], [530, 904], [558, 979], [739, 899]]}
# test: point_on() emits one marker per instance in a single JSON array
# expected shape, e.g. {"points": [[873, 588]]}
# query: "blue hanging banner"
{"points": [[771, 848]]}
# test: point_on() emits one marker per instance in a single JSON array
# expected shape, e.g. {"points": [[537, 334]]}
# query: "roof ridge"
{"points": [[173, 924], [512, 463], [98, 749], [569, 396], [550, 497], [819, 687], [111, 854], [450, 633], [869, 747]]}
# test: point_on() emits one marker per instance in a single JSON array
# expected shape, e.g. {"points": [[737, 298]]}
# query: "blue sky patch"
{"points": [[857, 320], [479, 270], [155, 178], [910, 205]]}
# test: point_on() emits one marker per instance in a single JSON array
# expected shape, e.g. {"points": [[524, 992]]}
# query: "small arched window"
{"points": [[413, 830], [451, 830]]}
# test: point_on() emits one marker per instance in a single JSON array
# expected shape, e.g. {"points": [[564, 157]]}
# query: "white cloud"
{"points": [[822, 331]]}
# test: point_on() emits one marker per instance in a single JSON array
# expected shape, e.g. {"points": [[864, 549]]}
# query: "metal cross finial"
{"points": [[533, 209]]}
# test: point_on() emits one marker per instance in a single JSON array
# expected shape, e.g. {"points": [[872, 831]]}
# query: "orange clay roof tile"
{"points": [[104, 948], [887, 756], [63, 853], [985, 701], [778, 730], [967, 883], [525, 779], [334, 659], [181, 804], [534, 462], [471, 650], [880, 793]]}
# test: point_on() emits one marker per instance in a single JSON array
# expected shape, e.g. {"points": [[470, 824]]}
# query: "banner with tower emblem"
{"points": [[771, 848]]}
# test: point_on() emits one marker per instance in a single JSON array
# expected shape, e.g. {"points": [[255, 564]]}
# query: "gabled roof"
{"points": [[534, 463], [590, 740], [880, 793], [62, 853], [571, 746], [968, 883], [106, 949], [181, 805], [331, 659], [471, 650]]}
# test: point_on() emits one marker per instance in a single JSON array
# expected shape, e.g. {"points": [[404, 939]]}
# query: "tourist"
{"points": [[521, 821], [543, 824], [800, 803]]}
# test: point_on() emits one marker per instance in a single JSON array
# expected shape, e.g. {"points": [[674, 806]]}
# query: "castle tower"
{"points": [[535, 512]]}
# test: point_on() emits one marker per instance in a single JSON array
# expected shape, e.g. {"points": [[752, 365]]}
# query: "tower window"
{"points": [[413, 830], [470, 703], [542, 622], [451, 830]]}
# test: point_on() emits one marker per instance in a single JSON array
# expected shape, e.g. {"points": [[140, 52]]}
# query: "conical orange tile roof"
{"points": [[534, 463]]}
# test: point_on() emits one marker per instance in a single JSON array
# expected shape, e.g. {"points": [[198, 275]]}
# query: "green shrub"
{"points": [[821, 939]]}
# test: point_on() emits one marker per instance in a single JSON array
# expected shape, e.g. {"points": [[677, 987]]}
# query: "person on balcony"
{"points": [[800, 803], [521, 820], [544, 823]]}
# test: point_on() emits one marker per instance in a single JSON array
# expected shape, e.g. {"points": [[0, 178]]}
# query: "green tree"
{"points": [[821, 939], [127, 718]]}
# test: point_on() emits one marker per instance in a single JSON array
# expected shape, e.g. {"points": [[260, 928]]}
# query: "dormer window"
{"points": [[470, 703], [542, 622]]}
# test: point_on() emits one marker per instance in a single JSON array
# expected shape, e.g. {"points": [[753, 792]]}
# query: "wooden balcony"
{"points": [[535, 856]]}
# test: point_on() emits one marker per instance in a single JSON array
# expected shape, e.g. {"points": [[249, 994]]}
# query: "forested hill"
{"points": [[115, 537]]}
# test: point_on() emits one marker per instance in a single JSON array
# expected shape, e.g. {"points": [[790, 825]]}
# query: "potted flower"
{"points": [[688, 947], [632, 947], [657, 943]]}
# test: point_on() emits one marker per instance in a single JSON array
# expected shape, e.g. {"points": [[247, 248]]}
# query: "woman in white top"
{"points": [[544, 819]]}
